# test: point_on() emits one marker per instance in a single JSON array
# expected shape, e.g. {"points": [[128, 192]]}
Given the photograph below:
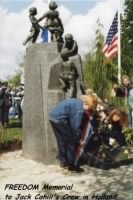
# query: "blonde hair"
{"points": [[89, 98], [125, 77], [89, 91]]}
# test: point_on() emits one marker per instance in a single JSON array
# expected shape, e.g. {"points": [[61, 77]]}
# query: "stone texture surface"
{"points": [[38, 140], [78, 62], [15, 169]]}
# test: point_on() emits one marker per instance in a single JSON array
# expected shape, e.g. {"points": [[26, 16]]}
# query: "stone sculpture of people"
{"points": [[68, 77], [53, 22], [70, 46], [35, 28]]}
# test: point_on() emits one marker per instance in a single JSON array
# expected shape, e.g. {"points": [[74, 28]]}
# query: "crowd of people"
{"points": [[11, 100]]}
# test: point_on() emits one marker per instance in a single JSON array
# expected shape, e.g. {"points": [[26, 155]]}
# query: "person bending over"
{"points": [[66, 119]]}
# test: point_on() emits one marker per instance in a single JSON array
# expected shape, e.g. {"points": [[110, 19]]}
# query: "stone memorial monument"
{"points": [[51, 71]]}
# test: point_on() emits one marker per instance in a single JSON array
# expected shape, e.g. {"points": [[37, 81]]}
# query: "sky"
{"points": [[78, 16], [83, 5]]}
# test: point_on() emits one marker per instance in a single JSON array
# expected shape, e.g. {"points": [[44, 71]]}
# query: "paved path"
{"points": [[15, 169]]}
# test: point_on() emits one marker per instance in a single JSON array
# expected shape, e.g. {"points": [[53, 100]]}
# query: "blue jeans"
{"points": [[130, 116], [65, 142]]}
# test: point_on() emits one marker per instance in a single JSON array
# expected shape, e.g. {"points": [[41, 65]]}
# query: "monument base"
{"points": [[38, 139]]}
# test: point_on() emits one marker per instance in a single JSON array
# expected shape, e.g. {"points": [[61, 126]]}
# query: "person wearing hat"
{"points": [[67, 120]]}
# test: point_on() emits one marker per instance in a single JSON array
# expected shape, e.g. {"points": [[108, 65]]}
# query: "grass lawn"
{"points": [[12, 135]]}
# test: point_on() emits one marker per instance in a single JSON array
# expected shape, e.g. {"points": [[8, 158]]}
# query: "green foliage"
{"points": [[127, 39], [98, 71], [128, 132], [120, 103], [15, 80], [121, 156]]}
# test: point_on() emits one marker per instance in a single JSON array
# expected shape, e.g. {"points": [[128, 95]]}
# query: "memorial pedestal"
{"points": [[38, 140]]}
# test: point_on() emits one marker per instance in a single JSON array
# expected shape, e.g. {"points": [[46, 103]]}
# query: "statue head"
{"points": [[33, 11], [64, 54], [53, 5], [68, 37]]}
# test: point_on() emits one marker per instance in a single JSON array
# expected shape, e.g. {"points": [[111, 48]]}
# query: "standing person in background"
{"points": [[13, 109], [123, 90], [67, 122], [22, 99], [7, 104], [18, 99], [2, 103], [131, 107]]}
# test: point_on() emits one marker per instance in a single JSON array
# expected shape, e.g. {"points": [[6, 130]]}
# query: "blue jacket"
{"points": [[131, 98], [69, 111]]}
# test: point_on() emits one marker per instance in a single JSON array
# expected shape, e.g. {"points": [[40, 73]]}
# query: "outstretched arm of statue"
{"points": [[41, 18], [34, 21], [41, 27]]}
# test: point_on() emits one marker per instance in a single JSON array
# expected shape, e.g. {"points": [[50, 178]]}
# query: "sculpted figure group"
{"points": [[53, 24]]}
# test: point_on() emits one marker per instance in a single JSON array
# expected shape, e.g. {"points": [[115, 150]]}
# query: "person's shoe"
{"points": [[64, 165], [77, 169]]}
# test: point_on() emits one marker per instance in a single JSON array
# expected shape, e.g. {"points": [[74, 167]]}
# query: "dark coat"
{"points": [[117, 134], [123, 91], [2, 93]]}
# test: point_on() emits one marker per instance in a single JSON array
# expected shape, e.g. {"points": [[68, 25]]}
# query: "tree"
{"points": [[98, 71], [15, 80], [127, 38]]}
